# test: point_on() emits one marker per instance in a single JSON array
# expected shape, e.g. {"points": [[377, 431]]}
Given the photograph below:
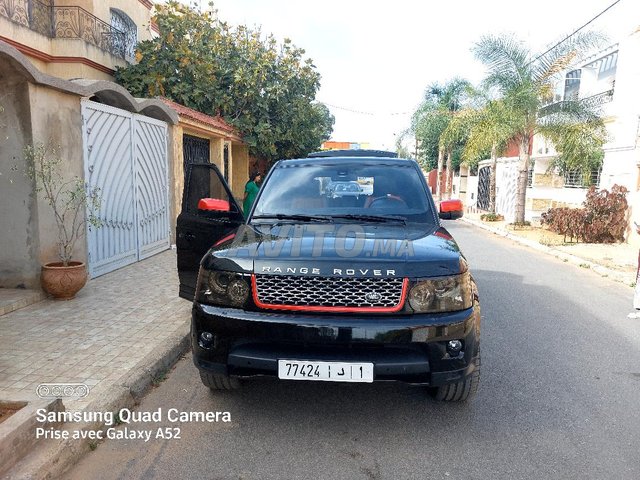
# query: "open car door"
{"points": [[209, 213]]}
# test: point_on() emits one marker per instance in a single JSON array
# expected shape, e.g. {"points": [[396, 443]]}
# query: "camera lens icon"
{"points": [[62, 390], [43, 391]]}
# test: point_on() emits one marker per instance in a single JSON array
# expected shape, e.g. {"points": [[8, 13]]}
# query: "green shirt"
{"points": [[251, 190]]}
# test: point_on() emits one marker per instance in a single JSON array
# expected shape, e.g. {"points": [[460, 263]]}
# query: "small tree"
{"points": [[266, 89], [73, 202]]}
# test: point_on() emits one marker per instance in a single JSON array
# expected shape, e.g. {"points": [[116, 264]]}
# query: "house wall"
{"points": [[19, 266], [217, 152], [432, 181], [33, 115], [176, 176], [460, 185], [56, 122], [506, 181], [472, 191], [240, 155]]}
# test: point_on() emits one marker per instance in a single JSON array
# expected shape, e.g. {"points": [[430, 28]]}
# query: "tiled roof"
{"points": [[217, 121]]}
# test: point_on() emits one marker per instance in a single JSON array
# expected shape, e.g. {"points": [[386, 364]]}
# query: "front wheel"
{"points": [[219, 382], [462, 390]]}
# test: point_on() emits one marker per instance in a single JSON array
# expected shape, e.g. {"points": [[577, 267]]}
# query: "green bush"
{"points": [[491, 217]]}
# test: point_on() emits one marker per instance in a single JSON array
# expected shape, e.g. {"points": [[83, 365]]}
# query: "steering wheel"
{"points": [[388, 201]]}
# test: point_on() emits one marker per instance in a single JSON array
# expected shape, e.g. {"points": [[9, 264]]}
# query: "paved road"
{"points": [[559, 398]]}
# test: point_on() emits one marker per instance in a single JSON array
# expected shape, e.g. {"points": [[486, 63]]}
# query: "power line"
{"points": [[360, 112], [577, 30], [374, 114]]}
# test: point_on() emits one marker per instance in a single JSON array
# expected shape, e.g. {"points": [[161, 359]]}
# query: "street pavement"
{"points": [[120, 335]]}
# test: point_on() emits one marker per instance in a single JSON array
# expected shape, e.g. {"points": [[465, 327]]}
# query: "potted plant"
{"points": [[74, 204]]}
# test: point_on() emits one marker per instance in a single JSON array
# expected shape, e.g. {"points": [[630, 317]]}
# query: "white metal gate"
{"points": [[125, 155]]}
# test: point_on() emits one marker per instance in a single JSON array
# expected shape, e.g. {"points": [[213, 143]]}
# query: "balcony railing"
{"points": [[592, 101], [66, 22]]}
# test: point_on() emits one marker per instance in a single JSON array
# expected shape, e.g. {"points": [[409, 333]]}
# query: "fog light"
{"points": [[454, 347], [206, 339]]}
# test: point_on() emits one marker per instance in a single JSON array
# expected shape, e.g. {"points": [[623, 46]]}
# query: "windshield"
{"points": [[345, 190]]}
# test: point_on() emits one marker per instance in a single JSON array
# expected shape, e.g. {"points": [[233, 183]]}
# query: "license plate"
{"points": [[325, 371]]}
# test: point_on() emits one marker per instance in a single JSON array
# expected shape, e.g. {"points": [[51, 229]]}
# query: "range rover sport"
{"points": [[319, 284]]}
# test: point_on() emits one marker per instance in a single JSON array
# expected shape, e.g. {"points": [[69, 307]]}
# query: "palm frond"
{"points": [[505, 57], [564, 54]]}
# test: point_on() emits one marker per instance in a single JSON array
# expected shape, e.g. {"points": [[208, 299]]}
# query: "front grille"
{"points": [[330, 293]]}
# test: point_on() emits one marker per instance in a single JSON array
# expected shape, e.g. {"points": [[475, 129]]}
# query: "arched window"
{"points": [[129, 39]]}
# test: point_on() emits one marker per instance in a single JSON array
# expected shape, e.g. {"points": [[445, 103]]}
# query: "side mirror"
{"points": [[450, 209], [213, 205]]}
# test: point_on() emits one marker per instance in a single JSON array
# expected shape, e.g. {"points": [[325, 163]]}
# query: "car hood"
{"points": [[339, 250]]}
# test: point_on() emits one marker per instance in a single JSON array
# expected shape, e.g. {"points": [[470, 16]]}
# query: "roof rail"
{"points": [[353, 153]]}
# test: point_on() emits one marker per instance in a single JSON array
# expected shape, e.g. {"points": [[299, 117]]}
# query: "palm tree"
{"points": [[454, 137], [490, 130], [431, 119], [525, 85]]}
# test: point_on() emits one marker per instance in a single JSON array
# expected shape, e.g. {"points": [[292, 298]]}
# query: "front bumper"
{"points": [[408, 348]]}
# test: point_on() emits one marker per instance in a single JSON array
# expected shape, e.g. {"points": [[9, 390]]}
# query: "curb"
{"points": [[601, 270], [53, 460]]}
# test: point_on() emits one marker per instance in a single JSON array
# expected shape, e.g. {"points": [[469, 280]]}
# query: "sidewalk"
{"points": [[118, 336], [617, 261]]}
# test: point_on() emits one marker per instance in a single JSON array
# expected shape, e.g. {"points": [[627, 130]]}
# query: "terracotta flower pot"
{"points": [[63, 282]]}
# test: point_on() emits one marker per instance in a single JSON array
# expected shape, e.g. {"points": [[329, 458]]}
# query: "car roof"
{"points": [[353, 153], [341, 160]]}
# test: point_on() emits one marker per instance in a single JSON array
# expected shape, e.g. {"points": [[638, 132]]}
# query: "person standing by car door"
{"points": [[251, 191]]}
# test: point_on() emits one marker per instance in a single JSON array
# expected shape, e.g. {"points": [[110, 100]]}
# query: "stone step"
{"points": [[12, 299], [17, 432]]}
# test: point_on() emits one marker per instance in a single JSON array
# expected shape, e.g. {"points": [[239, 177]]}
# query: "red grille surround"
{"points": [[309, 300]]}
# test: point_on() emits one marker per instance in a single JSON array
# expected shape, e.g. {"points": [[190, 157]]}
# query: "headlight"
{"points": [[441, 294], [227, 289]]}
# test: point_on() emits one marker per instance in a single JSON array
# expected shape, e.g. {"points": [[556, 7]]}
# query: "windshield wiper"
{"points": [[295, 217], [373, 218]]}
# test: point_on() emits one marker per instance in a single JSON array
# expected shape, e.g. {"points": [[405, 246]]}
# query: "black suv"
{"points": [[324, 287]]}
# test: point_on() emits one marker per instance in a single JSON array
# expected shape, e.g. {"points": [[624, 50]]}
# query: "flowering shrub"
{"points": [[601, 220]]}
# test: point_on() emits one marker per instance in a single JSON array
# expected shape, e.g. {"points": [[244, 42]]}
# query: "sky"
{"points": [[377, 58]]}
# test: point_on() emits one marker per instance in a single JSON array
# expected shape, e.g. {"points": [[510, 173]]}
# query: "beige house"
{"points": [[56, 64], [76, 38]]}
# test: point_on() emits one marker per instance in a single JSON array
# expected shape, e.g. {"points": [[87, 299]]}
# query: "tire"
{"points": [[460, 391], [219, 382]]}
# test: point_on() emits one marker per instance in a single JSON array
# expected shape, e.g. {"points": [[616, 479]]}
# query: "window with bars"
{"points": [[572, 85], [121, 22], [576, 179]]}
